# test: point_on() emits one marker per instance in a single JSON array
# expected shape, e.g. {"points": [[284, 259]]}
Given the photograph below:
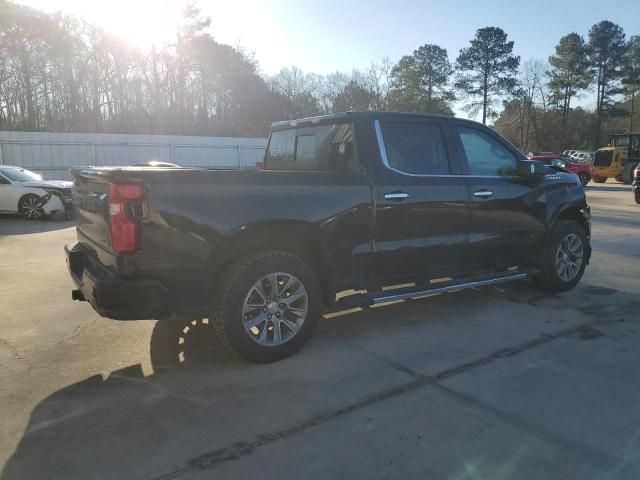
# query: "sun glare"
{"points": [[141, 23]]}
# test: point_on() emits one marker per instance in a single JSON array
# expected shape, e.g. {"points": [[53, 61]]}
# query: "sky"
{"points": [[340, 35]]}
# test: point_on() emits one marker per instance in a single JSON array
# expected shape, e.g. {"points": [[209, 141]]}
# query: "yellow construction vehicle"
{"points": [[618, 159]]}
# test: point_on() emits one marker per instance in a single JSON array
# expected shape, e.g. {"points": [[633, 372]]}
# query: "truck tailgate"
{"points": [[91, 201]]}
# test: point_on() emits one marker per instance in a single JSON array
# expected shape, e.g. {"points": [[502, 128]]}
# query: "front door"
{"points": [[421, 212], [507, 221]]}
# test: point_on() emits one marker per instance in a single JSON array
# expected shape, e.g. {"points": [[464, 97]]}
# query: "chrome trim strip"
{"points": [[482, 193], [396, 196], [382, 149], [450, 287]]}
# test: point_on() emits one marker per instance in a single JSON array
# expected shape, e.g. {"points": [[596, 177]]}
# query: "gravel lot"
{"points": [[502, 382]]}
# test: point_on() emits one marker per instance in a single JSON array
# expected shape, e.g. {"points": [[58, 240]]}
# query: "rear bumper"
{"points": [[113, 296]]}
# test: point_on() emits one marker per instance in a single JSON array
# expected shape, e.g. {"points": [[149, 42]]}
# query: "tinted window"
{"points": [[416, 148], [306, 148], [281, 148], [485, 155], [325, 147]]}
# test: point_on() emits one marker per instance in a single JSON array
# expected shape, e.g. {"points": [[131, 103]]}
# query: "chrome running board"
{"points": [[362, 299]]}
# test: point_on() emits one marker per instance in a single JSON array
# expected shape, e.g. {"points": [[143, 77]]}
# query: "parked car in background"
{"points": [[635, 186], [26, 193], [582, 157], [351, 201], [582, 170]]}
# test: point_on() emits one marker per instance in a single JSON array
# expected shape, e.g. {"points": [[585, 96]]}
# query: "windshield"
{"points": [[20, 175]]}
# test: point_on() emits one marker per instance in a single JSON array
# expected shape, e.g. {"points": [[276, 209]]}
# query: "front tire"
{"points": [[564, 259], [600, 179], [637, 195], [266, 305], [30, 207]]}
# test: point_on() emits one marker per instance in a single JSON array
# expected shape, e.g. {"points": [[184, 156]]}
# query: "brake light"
{"points": [[124, 229]]}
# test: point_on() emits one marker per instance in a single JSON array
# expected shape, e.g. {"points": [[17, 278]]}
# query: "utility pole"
{"points": [[633, 98]]}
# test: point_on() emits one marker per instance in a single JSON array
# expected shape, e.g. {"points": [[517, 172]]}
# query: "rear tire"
{"points": [[585, 178], [30, 208], [564, 259], [637, 195], [254, 315], [599, 179]]}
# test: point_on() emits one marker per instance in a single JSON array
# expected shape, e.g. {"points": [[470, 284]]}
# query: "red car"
{"points": [[635, 186], [584, 171]]}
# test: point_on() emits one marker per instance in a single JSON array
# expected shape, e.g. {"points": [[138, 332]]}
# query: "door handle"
{"points": [[483, 193], [396, 196]]}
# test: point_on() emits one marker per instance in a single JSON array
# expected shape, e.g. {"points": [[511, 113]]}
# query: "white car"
{"points": [[25, 192], [582, 157]]}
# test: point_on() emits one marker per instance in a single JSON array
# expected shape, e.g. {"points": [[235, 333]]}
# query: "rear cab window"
{"points": [[312, 148]]}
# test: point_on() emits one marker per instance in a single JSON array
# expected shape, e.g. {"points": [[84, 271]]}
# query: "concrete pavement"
{"points": [[501, 382]]}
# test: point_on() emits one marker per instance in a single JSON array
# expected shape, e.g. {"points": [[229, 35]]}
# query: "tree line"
{"points": [[59, 73]]}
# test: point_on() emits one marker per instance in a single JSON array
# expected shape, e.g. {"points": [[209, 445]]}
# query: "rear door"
{"points": [[506, 219], [421, 211]]}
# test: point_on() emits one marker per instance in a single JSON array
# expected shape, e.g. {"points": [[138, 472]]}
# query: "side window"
{"points": [[281, 149], [415, 148], [319, 148], [305, 148], [485, 155], [4, 181]]}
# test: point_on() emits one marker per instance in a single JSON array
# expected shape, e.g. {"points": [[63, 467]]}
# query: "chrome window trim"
{"points": [[385, 160]]}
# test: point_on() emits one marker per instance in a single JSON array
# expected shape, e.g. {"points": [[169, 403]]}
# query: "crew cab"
{"points": [[351, 201]]}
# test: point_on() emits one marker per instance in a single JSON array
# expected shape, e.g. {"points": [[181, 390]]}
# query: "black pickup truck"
{"points": [[355, 201]]}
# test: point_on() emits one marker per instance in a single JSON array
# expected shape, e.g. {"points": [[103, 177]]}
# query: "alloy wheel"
{"points": [[569, 257], [275, 308], [32, 208]]}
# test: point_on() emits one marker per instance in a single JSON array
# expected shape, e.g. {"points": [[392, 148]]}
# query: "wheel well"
{"points": [[576, 215], [300, 239]]}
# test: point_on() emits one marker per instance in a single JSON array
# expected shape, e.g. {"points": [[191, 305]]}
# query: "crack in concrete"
{"points": [[237, 450], [13, 351]]}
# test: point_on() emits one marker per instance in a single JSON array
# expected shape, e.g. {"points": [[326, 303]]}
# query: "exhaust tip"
{"points": [[77, 295]]}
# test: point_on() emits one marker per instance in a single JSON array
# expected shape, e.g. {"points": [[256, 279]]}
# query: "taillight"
{"points": [[124, 229]]}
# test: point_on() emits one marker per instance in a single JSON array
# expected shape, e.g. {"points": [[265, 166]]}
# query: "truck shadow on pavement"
{"points": [[204, 406]]}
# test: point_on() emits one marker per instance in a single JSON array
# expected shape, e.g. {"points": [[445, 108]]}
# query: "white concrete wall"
{"points": [[52, 154]]}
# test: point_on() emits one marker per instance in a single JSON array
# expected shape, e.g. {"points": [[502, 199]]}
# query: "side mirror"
{"points": [[530, 168]]}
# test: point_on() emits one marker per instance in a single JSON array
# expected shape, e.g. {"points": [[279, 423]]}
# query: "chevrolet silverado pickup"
{"points": [[352, 201]]}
